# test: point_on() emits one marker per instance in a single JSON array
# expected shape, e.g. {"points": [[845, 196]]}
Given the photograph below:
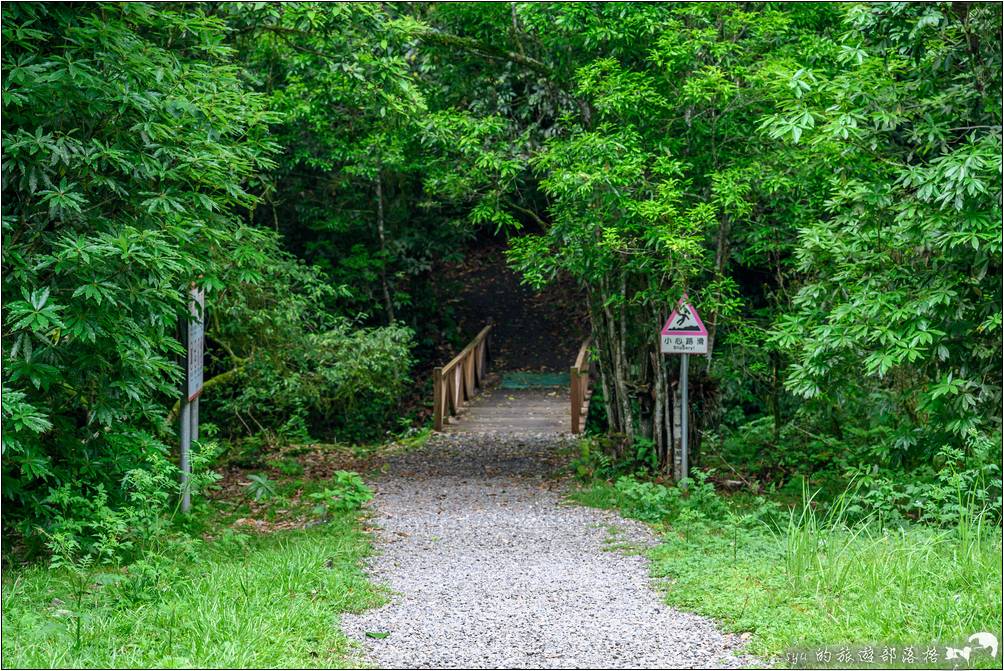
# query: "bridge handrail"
{"points": [[581, 387], [455, 382]]}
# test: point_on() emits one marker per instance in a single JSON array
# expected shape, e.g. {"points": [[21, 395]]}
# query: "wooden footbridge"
{"points": [[467, 399]]}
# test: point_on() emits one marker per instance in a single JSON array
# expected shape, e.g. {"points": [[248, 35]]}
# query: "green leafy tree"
{"points": [[350, 195], [654, 181], [130, 144], [897, 319], [823, 179]]}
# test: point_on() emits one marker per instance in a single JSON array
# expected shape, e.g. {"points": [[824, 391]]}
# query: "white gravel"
{"points": [[489, 568]]}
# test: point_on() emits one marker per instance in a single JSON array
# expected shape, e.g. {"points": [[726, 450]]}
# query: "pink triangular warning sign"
{"points": [[684, 321]]}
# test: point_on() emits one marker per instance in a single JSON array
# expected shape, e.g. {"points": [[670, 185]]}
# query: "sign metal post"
{"points": [[194, 345], [684, 411], [684, 333], [186, 444], [195, 419]]}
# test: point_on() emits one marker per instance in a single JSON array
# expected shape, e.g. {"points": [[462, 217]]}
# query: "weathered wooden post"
{"points": [[469, 373], [437, 399], [579, 387], [186, 445], [458, 380]]}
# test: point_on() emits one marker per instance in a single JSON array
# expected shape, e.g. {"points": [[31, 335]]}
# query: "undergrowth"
{"points": [[819, 574], [240, 601], [202, 590]]}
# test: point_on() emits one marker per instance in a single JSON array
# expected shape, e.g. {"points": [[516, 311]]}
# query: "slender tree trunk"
{"points": [[388, 304], [602, 349], [721, 256], [616, 356], [657, 435], [606, 375], [622, 352], [661, 421]]}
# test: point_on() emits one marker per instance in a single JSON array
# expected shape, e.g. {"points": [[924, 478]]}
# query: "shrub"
{"points": [[960, 479], [611, 456], [347, 492], [654, 502], [647, 501], [346, 383], [88, 521], [287, 466], [128, 141], [260, 487]]}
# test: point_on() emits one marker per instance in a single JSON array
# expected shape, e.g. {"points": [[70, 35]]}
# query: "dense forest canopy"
{"points": [[823, 180]]}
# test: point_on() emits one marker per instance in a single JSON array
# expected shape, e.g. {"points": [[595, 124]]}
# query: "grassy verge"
{"points": [[806, 581], [240, 601], [257, 576]]}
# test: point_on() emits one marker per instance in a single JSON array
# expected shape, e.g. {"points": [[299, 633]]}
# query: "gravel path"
{"points": [[489, 568]]}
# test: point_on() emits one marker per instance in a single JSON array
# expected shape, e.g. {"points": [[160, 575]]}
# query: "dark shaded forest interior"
{"points": [[534, 330]]}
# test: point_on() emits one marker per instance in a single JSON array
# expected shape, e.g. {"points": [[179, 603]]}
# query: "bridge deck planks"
{"points": [[544, 410]]}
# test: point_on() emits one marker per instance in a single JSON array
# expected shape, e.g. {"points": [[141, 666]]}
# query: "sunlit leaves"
{"points": [[789, 125], [949, 180], [616, 91]]}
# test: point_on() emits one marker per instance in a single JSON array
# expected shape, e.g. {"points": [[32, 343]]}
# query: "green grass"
{"points": [[813, 581], [238, 601]]}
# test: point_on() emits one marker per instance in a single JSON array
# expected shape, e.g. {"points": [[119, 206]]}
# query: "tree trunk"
{"points": [[388, 304], [622, 353], [606, 374], [657, 435], [721, 256], [616, 357]]}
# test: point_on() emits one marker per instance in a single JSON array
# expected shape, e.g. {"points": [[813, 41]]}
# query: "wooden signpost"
{"points": [[684, 333], [195, 346]]}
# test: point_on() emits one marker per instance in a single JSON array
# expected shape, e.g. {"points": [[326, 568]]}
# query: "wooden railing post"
{"points": [[457, 381], [438, 398], [469, 374], [485, 345]]}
